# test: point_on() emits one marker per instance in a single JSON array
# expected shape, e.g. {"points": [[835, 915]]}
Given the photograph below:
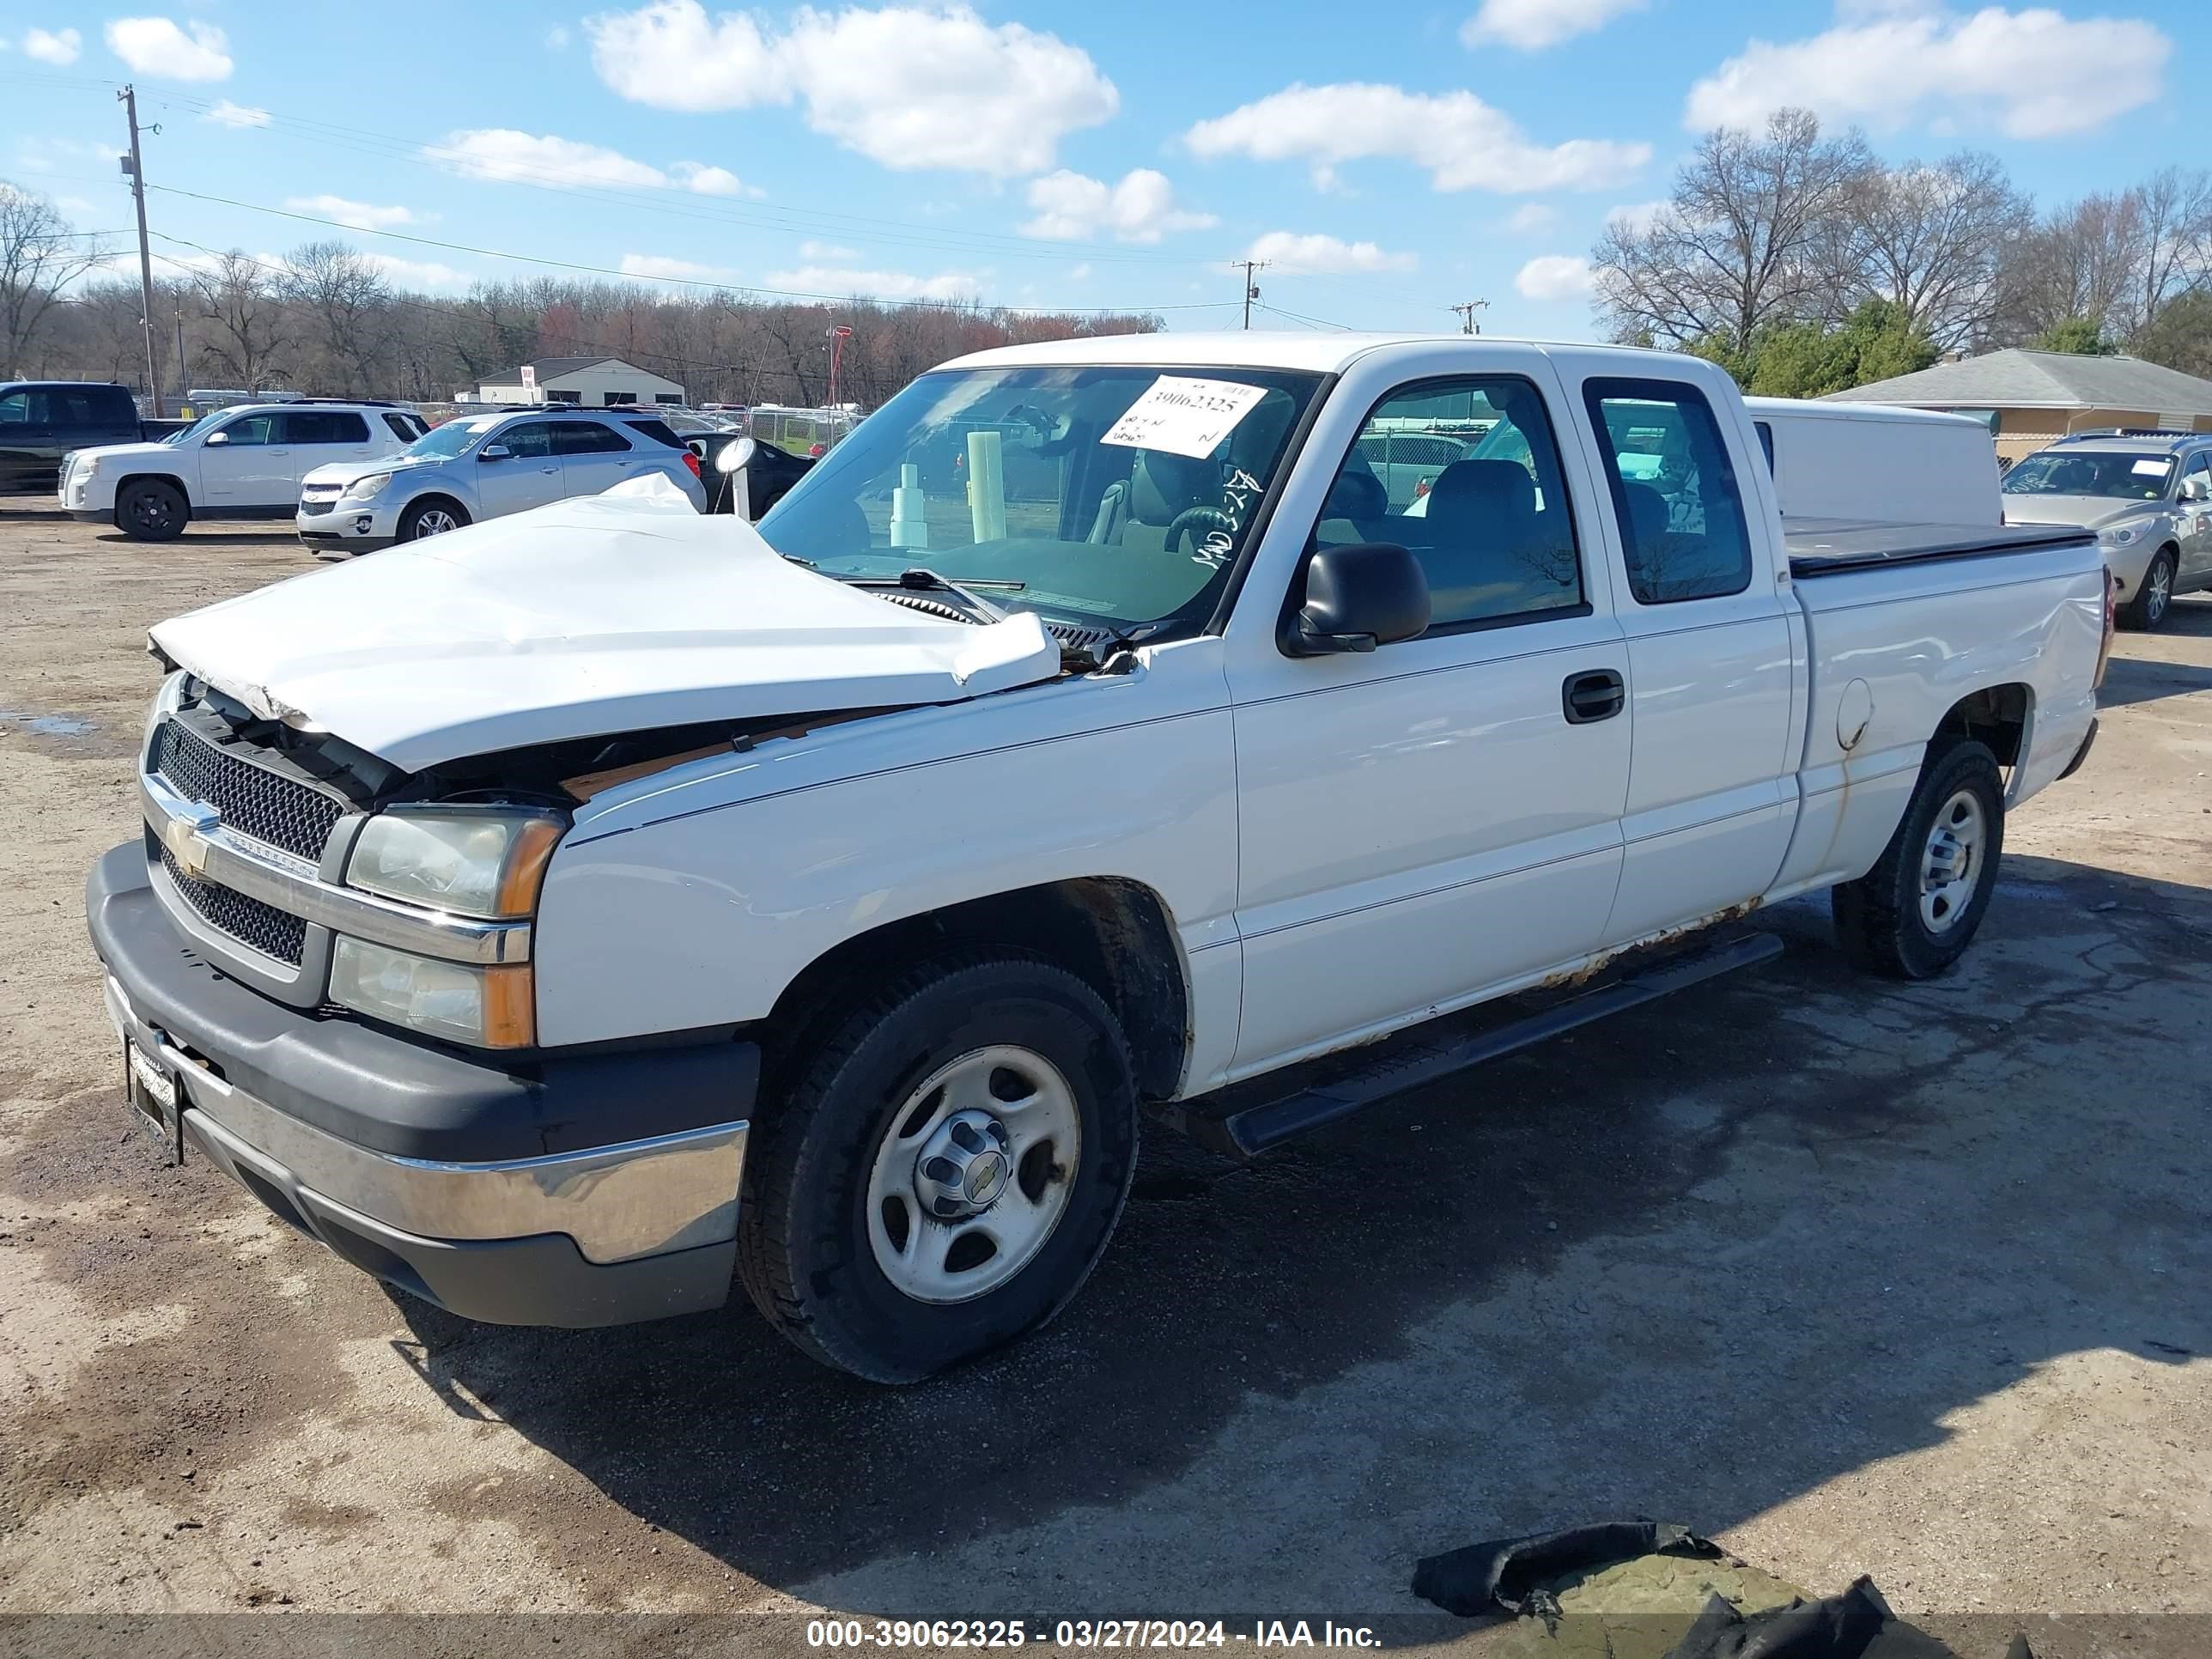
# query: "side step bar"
{"points": [[1406, 1062]]}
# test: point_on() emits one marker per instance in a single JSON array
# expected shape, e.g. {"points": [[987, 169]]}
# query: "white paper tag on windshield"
{"points": [[1183, 415], [2157, 469]]}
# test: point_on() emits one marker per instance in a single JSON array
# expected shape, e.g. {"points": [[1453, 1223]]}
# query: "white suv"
{"points": [[485, 466], [244, 462]]}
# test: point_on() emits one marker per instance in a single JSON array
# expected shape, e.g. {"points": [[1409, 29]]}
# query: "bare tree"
{"points": [[251, 334], [39, 256], [1932, 240], [341, 302], [1750, 235], [2176, 250]]}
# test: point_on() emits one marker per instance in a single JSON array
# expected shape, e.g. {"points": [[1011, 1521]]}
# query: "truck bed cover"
{"points": [[1822, 547]]}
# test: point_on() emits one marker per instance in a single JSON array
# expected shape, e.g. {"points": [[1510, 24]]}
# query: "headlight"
{"points": [[166, 702], [2122, 535], [484, 1007], [361, 489], [480, 861]]}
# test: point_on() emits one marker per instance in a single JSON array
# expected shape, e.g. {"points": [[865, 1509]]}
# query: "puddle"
{"points": [[46, 725]]}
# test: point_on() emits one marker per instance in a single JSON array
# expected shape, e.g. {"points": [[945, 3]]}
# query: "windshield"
{"points": [[2122, 478], [442, 443], [1122, 495], [205, 423]]}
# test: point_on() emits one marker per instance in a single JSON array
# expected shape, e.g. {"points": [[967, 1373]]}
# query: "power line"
{"points": [[680, 281], [1318, 322], [1467, 308]]}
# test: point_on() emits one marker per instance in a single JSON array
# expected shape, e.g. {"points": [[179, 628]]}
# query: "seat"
{"points": [[1161, 488], [1483, 530]]}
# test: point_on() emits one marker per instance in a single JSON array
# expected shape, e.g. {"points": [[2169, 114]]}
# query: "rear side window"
{"points": [[1674, 490], [405, 428], [585, 438], [658, 430], [325, 427], [1766, 443], [109, 405]]}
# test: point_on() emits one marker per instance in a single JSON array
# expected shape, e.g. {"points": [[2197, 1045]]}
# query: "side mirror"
{"points": [[222, 437], [494, 452], [1358, 598], [2196, 489], [736, 457]]}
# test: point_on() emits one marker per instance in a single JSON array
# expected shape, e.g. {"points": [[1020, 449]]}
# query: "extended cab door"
{"points": [[1426, 821], [1711, 665]]}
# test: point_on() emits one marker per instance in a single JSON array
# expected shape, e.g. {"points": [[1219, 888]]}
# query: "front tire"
{"points": [[2154, 598], [152, 511], [943, 1168], [433, 515], [1916, 912]]}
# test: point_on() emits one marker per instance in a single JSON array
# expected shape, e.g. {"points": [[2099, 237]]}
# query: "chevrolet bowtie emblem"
{"points": [[185, 836]]}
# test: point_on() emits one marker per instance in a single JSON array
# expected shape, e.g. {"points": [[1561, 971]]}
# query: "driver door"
{"points": [[529, 474], [251, 467]]}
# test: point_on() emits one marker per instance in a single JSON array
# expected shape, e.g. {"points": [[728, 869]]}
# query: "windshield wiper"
{"points": [[922, 580]]}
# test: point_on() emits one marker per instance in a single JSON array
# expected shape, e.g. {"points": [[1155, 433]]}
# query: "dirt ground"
{"points": [[1853, 1277]]}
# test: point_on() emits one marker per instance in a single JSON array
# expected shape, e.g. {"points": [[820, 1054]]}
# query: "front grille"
{"points": [[277, 810], [262, 927]]}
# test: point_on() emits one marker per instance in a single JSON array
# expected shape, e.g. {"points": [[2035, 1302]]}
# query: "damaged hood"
{"points": [[590, 617]]}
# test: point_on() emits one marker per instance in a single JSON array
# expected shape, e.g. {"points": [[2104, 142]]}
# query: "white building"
{"points": [[591, 382]]}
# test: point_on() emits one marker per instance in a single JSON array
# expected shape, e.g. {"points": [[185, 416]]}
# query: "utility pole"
{"points": [[1467, 310], [1251, 288], [138, 171], [182, 394]]}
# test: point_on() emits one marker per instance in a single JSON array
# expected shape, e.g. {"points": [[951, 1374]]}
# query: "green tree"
{"points": [[2078, 335]]}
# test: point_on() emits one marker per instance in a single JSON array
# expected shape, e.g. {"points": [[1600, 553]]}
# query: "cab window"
{"points": [[1674, 490], [253, 431], [1465, 473], [530, 440]]}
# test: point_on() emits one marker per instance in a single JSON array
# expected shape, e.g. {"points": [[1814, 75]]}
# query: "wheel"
{"points": [[1914, 913], [943, 1168], [433, 515], [2154, 598], [150, 510]]}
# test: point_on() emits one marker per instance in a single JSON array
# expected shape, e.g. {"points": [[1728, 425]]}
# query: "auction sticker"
{"points": [[1183, 415]]}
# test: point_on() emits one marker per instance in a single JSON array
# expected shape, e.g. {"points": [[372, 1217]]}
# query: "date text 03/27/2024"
{"points": [[1084, 1633]]}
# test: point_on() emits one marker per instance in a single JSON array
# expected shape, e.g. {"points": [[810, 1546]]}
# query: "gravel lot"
{"points": [[1854, 1277]]}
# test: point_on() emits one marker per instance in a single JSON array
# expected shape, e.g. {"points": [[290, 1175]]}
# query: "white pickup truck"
{"points": [[566, 918]]}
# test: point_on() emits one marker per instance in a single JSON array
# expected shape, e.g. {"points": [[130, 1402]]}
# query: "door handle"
{"points": [[1595, 693]]}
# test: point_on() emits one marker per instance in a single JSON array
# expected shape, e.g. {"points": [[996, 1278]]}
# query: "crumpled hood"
{"points": [[590, 617], [2090, 511]]}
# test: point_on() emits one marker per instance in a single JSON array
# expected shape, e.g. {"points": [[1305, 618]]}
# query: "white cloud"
{"points": [[908, 86], [826, 251], [1532, 25], [228, 114], [2035, 73], [157, 47], [503, 154], [360, 215], [1463, 143], [421, 273], [656, 265], [59, 47], [1070, 208], [705, 180], [1555, 277], [1288, 252], [1534, 220], [1636, 216], [877, 284]]}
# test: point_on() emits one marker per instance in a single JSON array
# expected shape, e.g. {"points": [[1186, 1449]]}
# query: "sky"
{"points": [[1384, 163]]}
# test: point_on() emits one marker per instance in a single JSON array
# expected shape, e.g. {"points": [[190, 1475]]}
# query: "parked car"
{"points": [[746, 478], [244, 462], [2148, 496], [485, 466], [42, 421], [623, 899], [1844, 461]]}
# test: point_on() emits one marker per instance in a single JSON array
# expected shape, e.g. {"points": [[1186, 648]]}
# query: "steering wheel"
{"points": [[1194, 518]]}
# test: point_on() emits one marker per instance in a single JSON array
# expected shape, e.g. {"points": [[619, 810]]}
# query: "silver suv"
{"points": [[2148, 496], [485, 466]]}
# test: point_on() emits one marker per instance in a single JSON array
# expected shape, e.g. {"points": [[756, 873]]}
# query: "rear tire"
{"points": [[433, 515], [2154, 598], [1916, 912], [876, 1136], [150, 510]]}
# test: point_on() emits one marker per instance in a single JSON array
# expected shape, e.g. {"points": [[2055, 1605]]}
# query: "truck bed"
{"points": [[1823, 547]]}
